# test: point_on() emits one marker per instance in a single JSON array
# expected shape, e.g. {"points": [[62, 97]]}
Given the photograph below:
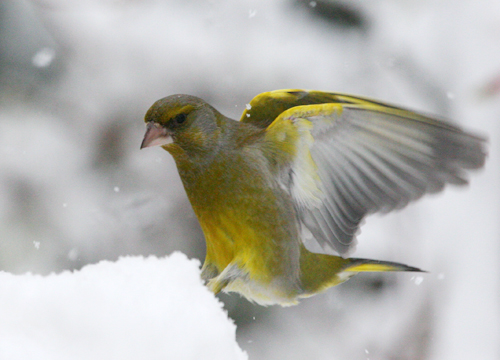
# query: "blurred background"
{"points": [[76, 78]]}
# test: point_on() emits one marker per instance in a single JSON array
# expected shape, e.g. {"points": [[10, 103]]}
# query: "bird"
{"points": [[302, 166]]}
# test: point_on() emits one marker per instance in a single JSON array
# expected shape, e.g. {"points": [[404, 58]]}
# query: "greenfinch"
{"points": [[298, 165]]}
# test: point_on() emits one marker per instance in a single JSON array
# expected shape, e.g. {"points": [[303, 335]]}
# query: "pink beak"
{"points": [[156, 135]]}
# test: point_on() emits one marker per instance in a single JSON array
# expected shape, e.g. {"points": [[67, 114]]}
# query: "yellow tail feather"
{"points": [[366, 265]]}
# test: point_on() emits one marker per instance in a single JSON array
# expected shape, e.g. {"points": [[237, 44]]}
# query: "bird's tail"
{"points": [[366, 265], [321, 271]]}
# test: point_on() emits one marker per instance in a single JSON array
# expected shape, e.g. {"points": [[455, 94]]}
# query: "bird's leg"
{"points": [[229, 274]]}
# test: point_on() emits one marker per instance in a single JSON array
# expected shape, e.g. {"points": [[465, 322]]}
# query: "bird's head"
{"points": [[181, 121]]}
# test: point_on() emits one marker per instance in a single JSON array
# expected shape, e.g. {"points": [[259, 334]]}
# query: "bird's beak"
{"points": [[156, 135]]}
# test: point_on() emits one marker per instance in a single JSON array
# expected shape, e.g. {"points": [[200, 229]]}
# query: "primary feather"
{"points": [[367, 158]]}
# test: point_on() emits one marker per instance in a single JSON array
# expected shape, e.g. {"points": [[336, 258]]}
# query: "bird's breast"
{"points": [[247, 218]]}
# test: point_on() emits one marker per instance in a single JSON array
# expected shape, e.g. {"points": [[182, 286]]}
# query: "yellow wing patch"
{"points": [[311, 111], [292, 132], [264, 108]]}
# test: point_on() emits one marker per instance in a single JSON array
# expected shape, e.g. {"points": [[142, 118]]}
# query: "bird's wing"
{"points": [[349, 160], [265, 107]]}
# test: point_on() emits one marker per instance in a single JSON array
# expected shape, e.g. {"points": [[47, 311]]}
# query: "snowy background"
{"points": [[76, 78]]}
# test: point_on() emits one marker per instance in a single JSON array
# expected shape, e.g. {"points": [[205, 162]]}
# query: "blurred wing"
{"points": [[266, 107], [350, 160]]}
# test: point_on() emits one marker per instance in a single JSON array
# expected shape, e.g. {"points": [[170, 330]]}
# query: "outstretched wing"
{"points": [[352, 159]]}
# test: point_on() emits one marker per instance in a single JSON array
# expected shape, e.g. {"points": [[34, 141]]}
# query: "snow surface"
{"points": [[134, 308]]}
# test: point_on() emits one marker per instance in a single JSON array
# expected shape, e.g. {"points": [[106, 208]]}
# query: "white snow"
{"points": [[44, 57], [134, 308]]}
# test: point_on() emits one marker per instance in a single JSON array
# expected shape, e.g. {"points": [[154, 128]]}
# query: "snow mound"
{"points": [[135, 308]]}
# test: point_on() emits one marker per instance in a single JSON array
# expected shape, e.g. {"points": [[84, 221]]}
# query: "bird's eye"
{"points": [[180, 118]]}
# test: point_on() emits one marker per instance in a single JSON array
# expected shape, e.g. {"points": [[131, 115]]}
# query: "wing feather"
{"points": [[368, 157]]}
